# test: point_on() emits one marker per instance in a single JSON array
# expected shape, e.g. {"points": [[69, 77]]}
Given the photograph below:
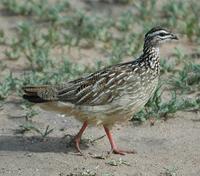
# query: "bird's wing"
{"points": [[99, 88]]}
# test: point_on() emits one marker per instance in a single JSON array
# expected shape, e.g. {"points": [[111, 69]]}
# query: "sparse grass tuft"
{"points": [[8, 84], [118, 162], [158, 107], [40, 9], [170, 172], [84, 172], [28, 127], [187, 79], [29, 111]]}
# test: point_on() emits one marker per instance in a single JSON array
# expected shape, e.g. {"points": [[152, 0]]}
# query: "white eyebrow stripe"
{"points": [[164, 37], [157, 32]]}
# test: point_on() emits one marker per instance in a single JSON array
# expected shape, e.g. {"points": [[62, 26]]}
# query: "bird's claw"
{"points": [[122, 152]]}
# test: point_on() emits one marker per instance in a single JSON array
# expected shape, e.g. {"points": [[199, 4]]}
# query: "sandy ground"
{"points": [[168, 147]]}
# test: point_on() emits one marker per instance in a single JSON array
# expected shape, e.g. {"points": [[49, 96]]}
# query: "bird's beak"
{"points": [[174, 37]]}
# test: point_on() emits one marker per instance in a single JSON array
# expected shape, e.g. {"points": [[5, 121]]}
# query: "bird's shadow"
{"points": [[37, 144]]}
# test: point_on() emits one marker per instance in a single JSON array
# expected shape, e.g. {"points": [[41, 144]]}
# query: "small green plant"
{"points": [[118, 162], [42, 10], [187, 78], [29, 111], [30, 127], [12, 54], [84, 172], [167, 66], [157, 107], [125, 21], [170, 172], [9, 83], [184, 16], [146, 9]]}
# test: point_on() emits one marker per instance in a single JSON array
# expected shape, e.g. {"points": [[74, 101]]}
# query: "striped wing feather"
{"points": [[99, 88]]}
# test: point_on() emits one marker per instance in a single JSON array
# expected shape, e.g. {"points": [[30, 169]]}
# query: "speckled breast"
{"points": [[135, 96]]}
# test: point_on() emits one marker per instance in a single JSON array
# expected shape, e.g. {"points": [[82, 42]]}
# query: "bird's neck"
{"points": [[150, 57], [149, 50]]}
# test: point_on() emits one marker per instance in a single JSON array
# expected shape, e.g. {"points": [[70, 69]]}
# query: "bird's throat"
{"points": [[150, 58], [149, 50]]}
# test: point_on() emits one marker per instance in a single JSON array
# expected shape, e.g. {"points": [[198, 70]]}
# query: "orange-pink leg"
{"points": [[77, 138], [113, 145]]}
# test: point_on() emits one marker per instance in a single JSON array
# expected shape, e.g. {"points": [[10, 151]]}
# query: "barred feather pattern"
{"points": [[109, 95]]}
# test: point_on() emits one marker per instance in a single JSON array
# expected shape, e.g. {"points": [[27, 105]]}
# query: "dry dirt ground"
{"points": [[169, 148]]}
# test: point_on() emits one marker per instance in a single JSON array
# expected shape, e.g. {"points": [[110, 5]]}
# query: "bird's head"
{"points": [[158, 35]]}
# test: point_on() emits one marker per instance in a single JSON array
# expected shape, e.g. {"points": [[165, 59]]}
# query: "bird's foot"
{"points": [[77, 138], [77, 145], [122, 152]]}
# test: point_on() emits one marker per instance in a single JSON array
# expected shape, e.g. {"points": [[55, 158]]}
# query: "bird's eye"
{"points": [[162, 34]]}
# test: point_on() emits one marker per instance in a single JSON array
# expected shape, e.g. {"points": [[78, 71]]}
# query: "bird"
{"points": [[108, 96]]}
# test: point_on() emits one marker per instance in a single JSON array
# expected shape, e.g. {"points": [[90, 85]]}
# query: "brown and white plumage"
{"points": [[110, 95], [99, 96]]}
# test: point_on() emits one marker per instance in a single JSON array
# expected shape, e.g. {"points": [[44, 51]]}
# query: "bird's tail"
{"points": [[36, 94]]}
